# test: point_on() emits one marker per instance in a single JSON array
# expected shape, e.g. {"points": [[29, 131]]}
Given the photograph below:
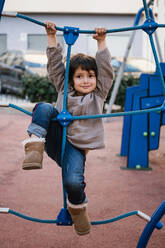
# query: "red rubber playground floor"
{"points": [[111, 192]]}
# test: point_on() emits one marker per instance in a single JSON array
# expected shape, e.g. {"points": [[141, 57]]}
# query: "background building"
{"points": [[19, 34]]}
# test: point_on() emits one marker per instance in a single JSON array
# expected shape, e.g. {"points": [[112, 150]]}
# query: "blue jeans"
{"points": [[73, 164]]}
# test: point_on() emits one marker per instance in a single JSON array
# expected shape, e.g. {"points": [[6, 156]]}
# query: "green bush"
{"points": [[126, 81], [39, 89]]}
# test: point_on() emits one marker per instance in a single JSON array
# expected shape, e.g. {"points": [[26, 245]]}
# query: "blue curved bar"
{"points": [[145, 236], [115, 30], [55, 221], [149, 28], [157, 223], [83, 117], [20, 109], [31, 218]]}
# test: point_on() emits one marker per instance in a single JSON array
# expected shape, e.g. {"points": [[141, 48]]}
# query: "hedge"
{"points": [[39, 89]]}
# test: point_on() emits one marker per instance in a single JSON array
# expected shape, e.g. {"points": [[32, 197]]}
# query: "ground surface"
{"points": [[111, 192]]}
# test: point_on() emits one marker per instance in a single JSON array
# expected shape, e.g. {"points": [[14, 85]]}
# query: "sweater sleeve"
{"points": [[105, 73], [55, 67]]}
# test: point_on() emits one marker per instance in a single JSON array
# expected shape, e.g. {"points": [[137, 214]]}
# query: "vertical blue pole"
{"points": [[64, 109], [66, 78], [146, 9], [62, 155]]}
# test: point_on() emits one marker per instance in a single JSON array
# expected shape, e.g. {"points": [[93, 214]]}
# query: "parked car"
{"points": [[11, 79], [33, 62], [14, 65]]}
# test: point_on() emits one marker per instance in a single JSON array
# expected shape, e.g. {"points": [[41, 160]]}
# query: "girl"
{"points": [[90, 80]]}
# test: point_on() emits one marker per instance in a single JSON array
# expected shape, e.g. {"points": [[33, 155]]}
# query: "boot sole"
{"points": [[83, 233], [31, 166]]}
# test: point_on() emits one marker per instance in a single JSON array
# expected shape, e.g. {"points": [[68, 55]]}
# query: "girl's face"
{"points": [[84, 81]]}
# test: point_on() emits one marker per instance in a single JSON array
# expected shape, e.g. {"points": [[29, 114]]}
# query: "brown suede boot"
{"points": [[34, 148], [80, 219]]}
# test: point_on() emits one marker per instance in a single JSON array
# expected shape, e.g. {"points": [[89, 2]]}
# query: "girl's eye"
{"points": [[91, 76]]}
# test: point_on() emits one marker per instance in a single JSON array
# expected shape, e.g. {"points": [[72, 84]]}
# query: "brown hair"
{"points": [[85, 62]]}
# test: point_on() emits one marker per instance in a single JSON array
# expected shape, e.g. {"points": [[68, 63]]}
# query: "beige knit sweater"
{"points": [[84, 134]]}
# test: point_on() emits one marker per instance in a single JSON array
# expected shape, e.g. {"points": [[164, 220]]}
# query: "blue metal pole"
{"points": [[162, 108], [62, 156], [66, 78], [146, 9], [80, 31], [151, 225], [64, 109], [117, 114]]}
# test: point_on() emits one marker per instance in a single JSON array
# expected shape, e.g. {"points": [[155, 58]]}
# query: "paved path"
{"points": [[111, 192]]}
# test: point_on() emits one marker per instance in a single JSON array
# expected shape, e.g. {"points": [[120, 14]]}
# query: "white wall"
{"points": [[74, 6], [17, 30]]}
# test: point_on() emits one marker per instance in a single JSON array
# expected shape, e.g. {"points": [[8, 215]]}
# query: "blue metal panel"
{"points": [[154, 130], [144, 81], [127, 120], [162, 66], [155, 87], [138, 146], [151, 102], [130, 92], [154, 120]]}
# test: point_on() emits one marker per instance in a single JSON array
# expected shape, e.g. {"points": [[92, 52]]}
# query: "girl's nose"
{"points": [[85, 79]]}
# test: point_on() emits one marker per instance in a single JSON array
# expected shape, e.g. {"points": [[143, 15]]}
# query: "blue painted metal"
{"points": [[137, 139], [141, 133], [31, 218], [71, 35], [64, 218], [2, 2], [20, 109], [66, 78], [81, 31], [146, 9], [62, 155], [137, 114], [81, 117], [150, 26], [149, 228], [158, 68], [64, 118]]}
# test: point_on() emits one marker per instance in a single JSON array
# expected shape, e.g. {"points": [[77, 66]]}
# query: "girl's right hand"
{"points": [[50, 28]]}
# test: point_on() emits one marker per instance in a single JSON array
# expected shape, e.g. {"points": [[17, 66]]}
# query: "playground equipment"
{"points": [[128, 48], [141, 133], [70, 35]]}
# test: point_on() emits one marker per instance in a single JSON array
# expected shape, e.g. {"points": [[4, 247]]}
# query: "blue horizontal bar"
{"points": [[83, 31], [31, 218], [144, 111], [114, 219], [101, 222], [83, 117]]}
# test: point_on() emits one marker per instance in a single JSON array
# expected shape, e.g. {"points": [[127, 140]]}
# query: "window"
{"points": [[115, 42], [38, 42], [3, 42]]}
